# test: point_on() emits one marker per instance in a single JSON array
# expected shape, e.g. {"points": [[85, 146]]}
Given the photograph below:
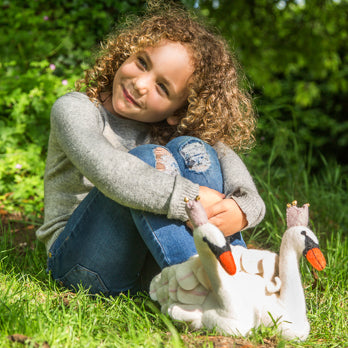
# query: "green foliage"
{"points": [[25, 101], [295, 55], [64, 32], [44, 48]]}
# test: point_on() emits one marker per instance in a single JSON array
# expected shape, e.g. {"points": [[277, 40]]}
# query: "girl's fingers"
{"points": [[189, 225], [216, 209], [209, 196], [227, 216]]}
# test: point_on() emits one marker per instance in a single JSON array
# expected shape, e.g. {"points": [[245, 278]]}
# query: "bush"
{"points": [[25, 103], [294, 55], [45, 47]]}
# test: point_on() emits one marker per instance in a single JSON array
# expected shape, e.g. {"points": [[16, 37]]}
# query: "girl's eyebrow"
{"points": [[147, 58], [169, 84]]}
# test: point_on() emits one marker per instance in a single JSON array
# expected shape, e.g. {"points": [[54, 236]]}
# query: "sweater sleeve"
{"points": [[239, 185], [77, 127]]}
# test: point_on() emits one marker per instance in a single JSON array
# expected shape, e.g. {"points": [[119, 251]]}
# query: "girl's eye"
{"points": [[142, 62], [163, 88]]}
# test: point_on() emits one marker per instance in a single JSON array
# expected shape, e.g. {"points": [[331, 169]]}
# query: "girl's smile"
{"points": [[152, 84], [129, 98]]}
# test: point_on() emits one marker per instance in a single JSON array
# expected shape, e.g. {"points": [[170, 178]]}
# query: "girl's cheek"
{"points": [[129, 69], [159, 102]]}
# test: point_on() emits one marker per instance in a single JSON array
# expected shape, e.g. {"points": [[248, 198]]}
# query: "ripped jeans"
{"points": [[109, 248]]}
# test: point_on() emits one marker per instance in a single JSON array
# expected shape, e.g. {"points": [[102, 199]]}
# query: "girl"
{"points": [[163, 105]]}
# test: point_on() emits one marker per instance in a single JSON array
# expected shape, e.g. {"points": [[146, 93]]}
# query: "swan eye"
{"points": [[304, 233]]}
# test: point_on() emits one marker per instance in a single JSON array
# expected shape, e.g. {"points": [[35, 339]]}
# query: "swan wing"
{"points": [[183, 284]]}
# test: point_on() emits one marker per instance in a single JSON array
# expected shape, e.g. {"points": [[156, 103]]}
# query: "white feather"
{"points": [[206, 296]]}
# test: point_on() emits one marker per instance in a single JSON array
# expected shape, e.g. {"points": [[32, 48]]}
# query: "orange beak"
{"points": [[227, 262], [316, 259]]}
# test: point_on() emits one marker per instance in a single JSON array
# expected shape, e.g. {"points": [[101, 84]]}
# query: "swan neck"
{"points": [[215, 273], [291, 292]]}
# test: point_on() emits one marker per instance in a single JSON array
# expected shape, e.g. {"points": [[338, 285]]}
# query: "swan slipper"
{"points": [[215, 241], [232, 289]]}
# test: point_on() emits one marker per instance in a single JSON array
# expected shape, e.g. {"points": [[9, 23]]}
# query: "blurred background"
{"points": [[294, 54]]}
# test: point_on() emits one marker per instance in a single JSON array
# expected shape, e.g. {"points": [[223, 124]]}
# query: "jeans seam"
{"points": [[78, 267], [60, 249], [158, 241]]}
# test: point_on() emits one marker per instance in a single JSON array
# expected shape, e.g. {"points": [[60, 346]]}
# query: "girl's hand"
{"points": [[227, 216], [209, 197]]}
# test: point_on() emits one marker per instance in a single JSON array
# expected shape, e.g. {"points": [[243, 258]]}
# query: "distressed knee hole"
{"points": [[165, 161], [195, 156]]}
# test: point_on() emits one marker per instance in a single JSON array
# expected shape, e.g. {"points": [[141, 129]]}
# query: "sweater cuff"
{"points": [[182, 188], [253, 208]]}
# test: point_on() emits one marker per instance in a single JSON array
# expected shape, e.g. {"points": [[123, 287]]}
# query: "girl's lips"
{"points": [[129, 97]]}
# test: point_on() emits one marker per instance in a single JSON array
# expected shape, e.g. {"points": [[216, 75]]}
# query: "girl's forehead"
{"points": [[172, 48], [171, 60], [168, 43]]}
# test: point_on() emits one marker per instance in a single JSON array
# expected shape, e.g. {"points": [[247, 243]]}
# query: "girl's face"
{"points": [[152, 84]]}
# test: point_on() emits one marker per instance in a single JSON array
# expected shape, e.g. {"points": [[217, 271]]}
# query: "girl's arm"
{"points": [[227, 216], [81, 148], [243, 207], [221, 212]]}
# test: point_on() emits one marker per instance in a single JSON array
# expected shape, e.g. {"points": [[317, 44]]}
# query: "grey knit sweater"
{"points": [[89, 147]]}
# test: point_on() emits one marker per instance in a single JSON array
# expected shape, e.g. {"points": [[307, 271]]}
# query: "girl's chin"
{"points": [[120, 110]]}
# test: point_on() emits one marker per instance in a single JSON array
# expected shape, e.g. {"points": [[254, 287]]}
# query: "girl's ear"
{"points": [[173, 120]]}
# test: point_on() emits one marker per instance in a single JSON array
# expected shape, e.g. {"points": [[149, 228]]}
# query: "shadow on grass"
{"points": [[20, 251]]}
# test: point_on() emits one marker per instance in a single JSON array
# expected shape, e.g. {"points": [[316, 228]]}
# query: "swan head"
{"points": [[208, 237], [304, 241]]}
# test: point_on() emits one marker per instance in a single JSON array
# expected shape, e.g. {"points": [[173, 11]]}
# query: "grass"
{"points": [[33, 306]]}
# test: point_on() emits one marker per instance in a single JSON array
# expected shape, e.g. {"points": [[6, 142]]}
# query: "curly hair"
{"points": [[218, 108]]}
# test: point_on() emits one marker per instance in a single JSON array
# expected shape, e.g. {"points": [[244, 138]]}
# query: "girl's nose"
{"points": [[142, 84]]}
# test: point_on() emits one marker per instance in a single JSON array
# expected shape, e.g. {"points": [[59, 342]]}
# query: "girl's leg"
{"points": [[100, 248], [170, 241], [199, 163]]}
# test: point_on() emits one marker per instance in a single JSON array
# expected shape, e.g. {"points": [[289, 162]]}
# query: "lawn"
{"points": [[299, 78], [36, 312]]}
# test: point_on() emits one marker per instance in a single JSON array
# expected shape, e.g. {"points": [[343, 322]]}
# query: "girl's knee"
{"points": [[158, 157], [143, 151], [165, 162], [196, 155]]}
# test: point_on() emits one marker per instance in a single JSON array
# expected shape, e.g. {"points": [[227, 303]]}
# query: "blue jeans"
{"points": [[109, 248]]}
